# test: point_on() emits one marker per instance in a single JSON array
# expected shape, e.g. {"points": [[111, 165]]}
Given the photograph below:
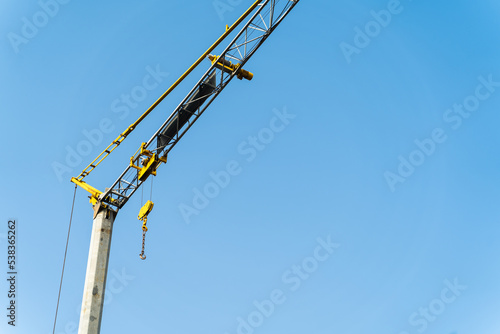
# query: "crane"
{"points": [[262, 18]]}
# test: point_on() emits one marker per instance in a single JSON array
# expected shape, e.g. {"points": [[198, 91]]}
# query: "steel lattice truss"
{"points": [[268, 15]]}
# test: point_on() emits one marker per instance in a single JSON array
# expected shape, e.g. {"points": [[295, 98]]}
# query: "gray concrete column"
{"points": [[97, 271]]}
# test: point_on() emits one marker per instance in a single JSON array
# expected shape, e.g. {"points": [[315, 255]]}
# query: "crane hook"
{"points": [[144, 230]]}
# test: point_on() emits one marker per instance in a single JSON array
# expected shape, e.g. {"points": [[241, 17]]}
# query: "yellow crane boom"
{"points": [[111, 147]]}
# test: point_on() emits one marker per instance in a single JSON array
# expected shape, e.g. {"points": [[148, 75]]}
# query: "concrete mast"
{"points": [[97, 272]]}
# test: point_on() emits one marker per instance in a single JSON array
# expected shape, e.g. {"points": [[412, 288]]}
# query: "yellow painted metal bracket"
{"points": [[150, 162], [111, 147], [229, 67], [94, 193]]}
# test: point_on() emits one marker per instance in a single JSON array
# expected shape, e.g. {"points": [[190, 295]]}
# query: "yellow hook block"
{"points": [[145, 211]]}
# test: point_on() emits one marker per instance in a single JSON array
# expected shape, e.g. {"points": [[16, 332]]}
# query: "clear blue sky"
{"points": [[373, 209]]}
